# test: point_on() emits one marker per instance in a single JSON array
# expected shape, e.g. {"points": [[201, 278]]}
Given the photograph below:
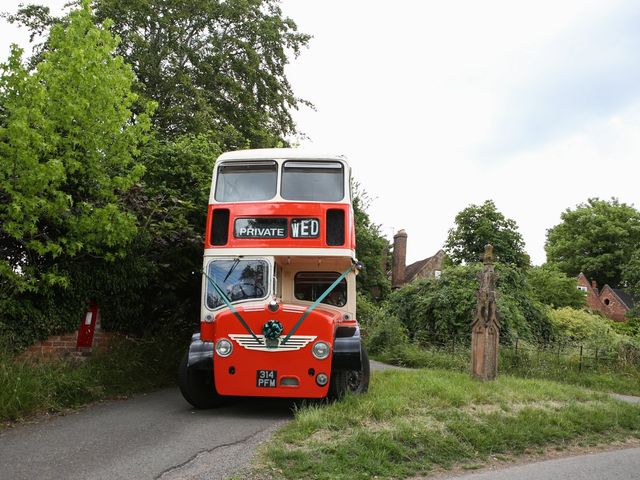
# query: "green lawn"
{"points": [[130, 366], [412, 421], [606, 377]]}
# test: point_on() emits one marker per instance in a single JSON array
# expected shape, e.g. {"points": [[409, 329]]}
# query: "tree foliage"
{"points": [[209, 65], [171, 205], [67, 145], [592, 331], [631, 277], [440, 310], [479, 225], [372, 250], [597, 238], [555, 289], [68, 140]]}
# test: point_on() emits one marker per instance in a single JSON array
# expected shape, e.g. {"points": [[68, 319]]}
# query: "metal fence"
{"points": [[520, 354]]}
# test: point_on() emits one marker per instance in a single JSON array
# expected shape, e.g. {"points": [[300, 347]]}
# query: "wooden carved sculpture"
{"points": [[485, 333]]}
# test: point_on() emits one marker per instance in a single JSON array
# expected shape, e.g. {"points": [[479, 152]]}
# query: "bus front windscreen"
{"points": [[313, 181], [238, 279], [246, 182]]}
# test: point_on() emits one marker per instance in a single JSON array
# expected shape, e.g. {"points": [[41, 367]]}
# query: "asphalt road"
{"points": [[150, 436], [614, 465]]}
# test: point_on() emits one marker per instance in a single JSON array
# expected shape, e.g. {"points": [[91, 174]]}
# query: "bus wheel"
{"points": [[358, 380], [197, 386], [338, 385]]}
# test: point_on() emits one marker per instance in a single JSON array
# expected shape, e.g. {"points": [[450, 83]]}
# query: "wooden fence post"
{"points": [[580, 367]]}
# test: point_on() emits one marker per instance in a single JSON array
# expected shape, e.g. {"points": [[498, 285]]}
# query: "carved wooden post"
{"points": [[485, 333]]}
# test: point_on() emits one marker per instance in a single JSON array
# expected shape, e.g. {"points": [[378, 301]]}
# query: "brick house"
{"points": [[611, 302], [401, 273]]}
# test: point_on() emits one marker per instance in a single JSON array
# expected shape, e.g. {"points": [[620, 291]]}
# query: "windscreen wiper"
{"points": [[236, 261]]}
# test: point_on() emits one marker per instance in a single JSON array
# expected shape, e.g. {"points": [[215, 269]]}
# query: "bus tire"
{"points": [[358, 380], [338, 385], [197, 386]]}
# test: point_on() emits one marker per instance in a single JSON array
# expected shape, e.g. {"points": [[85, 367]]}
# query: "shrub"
{"points": [[583, 327], [596, 332], [439, 310], [385, 333], [553, 288]]}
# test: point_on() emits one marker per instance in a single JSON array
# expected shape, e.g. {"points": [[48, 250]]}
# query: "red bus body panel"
{"points": [[245, 363], [285, 210]]}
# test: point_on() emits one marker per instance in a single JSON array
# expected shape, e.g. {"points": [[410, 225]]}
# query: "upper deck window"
{"points": [[313, 181], [249, 181]]}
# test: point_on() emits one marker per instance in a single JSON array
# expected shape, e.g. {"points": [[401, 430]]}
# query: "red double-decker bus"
{"points": [[278, 316]]}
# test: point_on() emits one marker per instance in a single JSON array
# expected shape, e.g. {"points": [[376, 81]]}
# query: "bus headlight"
{"points": [[224, 347], [320, 350]]}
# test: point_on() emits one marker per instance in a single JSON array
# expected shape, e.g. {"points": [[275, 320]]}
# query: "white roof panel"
{"points": [[278, 153]]}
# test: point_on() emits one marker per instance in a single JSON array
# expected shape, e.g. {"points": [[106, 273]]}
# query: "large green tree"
{"points": [[479, 225], [209, 64], [67, 144], [597, 238], [68, 140]]}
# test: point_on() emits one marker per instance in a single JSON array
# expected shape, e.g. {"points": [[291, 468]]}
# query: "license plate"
{"points": [[266, 378]]}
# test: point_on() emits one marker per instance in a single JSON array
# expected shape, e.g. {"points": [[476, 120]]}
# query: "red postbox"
{"points": [[88, 326]]}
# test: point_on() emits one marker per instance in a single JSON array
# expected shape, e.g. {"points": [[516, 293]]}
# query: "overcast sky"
{"points": [[438, 105]]}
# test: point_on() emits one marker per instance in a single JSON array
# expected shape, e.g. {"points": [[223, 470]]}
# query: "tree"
{"points": [[631, 278], [479, 225], [67, 143], [68, 138], [597, 238], [372, 250], [171, 205], [209, 65], [552, 287]]}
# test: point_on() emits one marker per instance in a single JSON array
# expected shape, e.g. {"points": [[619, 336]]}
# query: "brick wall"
{"points": [[611, 305], [593, 298], [64, 346], [604, 301]]}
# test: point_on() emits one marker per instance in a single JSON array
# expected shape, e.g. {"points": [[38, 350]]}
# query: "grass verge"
{"points": [[411, 422], [607, 378], [128, 366]]}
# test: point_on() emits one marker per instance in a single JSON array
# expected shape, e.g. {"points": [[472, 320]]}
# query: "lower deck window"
{"points": [[309, 286]]}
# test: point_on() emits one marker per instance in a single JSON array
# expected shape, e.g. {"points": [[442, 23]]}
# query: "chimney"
{"points": [[594, 284], [399, 259]]}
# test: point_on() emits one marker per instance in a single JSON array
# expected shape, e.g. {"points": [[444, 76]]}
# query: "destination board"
{"points": [[305, 228], [267, 227]]}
